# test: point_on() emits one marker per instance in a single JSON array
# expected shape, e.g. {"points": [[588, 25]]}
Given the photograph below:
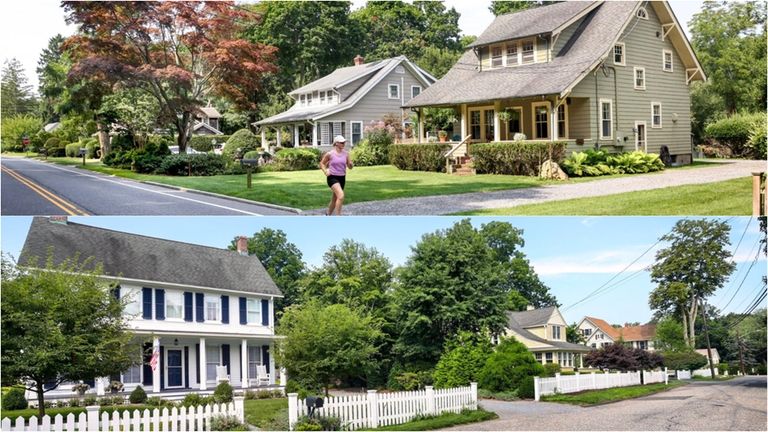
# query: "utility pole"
{"points": [[706, 334], [741, 352]]}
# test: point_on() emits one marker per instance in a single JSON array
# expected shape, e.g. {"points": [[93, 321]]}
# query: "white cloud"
{"points": [[605, 261]]}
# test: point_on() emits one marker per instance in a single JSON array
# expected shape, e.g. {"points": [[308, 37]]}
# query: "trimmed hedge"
{"points": [[244, 140], [735, 131], [297, 159], [202, 143], [203, 164], [419, 157], [72, 150], [516, 158]]}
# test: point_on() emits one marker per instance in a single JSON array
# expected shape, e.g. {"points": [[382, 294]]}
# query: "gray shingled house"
{"points": [[595, 74], [347, 100], [206, 314]]}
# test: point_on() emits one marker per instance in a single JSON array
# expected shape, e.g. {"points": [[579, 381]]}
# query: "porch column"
{"points": [[421, 125], [264, 144], [271, 311], [203, 375], [496, 121], [244, 364], [279, 136], [463, 120], [156, 372], [272, 364], [296, 135], [553, 116], [581, 361], [314, 135]]}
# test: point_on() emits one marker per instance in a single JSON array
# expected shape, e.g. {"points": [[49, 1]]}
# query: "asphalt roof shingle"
{"points": [[133, 256]]}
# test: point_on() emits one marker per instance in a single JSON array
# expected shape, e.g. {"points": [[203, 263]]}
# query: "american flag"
{"points": [[153, 360]]}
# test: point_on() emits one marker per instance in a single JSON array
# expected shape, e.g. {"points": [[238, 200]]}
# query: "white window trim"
{"points": [[535, 50], [664, 61], [503, 51], [533, 119], [642, 13], [217, 300], [389, 93], [415, 87], [560, 134], [661, 116], [600, 132], [634, 78], [258, 309], [518, 54], [168, 293], [623, 54], [362, 130], [131, 296], [637, 135]]}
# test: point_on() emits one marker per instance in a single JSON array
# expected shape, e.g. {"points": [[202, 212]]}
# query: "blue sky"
{"points": [[573, 255]]}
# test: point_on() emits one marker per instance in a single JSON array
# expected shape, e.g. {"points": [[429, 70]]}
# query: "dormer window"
{"points": [[512, 51], [642, 13], [322, 98], [528, 51], [303, 100], [309, 98], [496, 58]]}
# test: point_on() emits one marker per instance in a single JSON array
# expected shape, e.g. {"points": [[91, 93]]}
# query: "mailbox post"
{"points": [[249, 164], [83, 152]]}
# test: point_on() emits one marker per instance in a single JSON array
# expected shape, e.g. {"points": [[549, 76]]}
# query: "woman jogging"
{"points": [[334, 165]]}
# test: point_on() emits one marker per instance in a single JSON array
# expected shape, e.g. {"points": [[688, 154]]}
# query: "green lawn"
{"points": [[267, 414], [442, 421], [717, 378], [596, 397], [731, 197]]}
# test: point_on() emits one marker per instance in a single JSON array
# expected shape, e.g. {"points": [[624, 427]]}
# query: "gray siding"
{"points": [[643, 49]]}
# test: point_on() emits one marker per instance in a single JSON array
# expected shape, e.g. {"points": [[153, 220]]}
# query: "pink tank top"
{"points": [[337, 163]]}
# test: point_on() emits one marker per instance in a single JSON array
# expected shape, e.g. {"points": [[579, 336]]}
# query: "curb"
{"points": [[227, 197]]}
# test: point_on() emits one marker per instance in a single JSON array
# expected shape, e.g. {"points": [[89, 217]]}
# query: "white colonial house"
{"points": [[598, 333], [205, 314]]}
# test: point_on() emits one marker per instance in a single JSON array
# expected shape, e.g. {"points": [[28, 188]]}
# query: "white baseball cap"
{"points": [[339, 139]]}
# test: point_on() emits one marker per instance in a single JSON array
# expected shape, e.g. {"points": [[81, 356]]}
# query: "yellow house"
{"points": [[542, 331]]}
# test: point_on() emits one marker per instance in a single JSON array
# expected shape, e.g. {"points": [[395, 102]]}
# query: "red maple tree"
{"points": [[179, 51]]}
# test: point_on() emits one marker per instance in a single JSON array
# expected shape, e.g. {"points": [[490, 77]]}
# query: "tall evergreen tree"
{"points": [[17, 96], [52, 69]]}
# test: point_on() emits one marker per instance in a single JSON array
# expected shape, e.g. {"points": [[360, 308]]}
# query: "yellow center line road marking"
{"points": [[56, 200], [127, 183]]}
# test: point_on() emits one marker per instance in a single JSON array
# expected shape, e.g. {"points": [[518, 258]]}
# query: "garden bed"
{"points": [[599, 397]]}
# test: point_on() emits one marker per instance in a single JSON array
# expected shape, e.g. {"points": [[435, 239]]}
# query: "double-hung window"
{"points": [[606, 119], [656, 115], [131, 298], [212, 308], [303, 100], [556, 332], [212, 359], [667, 61], [562, 121], [253, 307], [541, 120], [394, 91], [619, 55], [322, 98], [529, 54], [254, 359], [309, 98], [174, 304], [496, 57], [639, 78], [415, 91], [357, 131], [512, 59]]}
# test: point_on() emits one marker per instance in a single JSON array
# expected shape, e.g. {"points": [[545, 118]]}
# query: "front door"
{"points": [[640, 139], [175, 368], [481, 122]]}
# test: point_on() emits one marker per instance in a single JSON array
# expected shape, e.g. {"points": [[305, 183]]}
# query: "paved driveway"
{"points": [[738, 404]]}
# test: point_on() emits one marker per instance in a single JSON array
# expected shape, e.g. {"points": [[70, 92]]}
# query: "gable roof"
{"points": [[133, 256], [342, 76], [533, 317], [606, 328], [530, 319], [210, 112], [200, 125], [638, 333]]}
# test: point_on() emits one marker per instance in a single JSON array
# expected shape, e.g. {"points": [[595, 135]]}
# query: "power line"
{"points": [[758, 300], [735, 251], [757, 255]]}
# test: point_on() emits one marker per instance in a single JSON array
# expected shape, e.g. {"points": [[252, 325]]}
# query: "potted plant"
{"points": [[442, 135], [80, 388], [505, 115], [115, 386]]}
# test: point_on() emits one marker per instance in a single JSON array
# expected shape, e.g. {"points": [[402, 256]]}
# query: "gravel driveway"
{"points": [[738, 404], [439, 205]]}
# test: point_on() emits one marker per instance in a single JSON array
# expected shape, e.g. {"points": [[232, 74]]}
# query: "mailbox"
{"points": [[313, 402], [83, 151], [250, 163]]}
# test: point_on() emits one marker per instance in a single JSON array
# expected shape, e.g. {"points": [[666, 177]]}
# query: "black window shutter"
{"points": [[200, 307], [146, 295], [116, 292], [265, 355], [225, 356], [225, 309], [243, 311], [159, 303], [147, 368], [162, 367], [188, 306], [265, 312], [186, 366], [197, 363]]}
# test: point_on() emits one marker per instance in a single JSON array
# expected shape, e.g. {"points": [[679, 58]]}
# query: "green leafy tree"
{"points": [[620, 357], [16, 127], [501, 7], [325, 343], [747, 340], [135, 110], [52, 69], [437, 61], [669, 335], [509, 368], [60, 323], [694, 265], [463, 359], [729, 41], [573, 335], [283, 261], [16, 95], [683, 360]]}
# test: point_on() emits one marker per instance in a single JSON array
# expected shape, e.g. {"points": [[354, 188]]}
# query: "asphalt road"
{"points": [[31, 187], [738, 404]]}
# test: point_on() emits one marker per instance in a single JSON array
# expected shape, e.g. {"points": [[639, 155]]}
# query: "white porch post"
{"points": [[496, 121], [272, 364], [264, 144], [271, 312], [156, 375], [203, 375], [295, 135], [421, 125], [581, 361], [244, 364], [553, 116], [463, 121], [279, 136], [314, 135]]}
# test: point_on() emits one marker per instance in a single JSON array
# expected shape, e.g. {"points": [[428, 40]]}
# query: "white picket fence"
{"points": [[593, 381], [683, 374], [176, 419], [373, 409]]}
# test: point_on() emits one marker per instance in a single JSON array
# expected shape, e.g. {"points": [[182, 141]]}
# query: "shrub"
{"points": [[318, 423], [365, 154], [253, 154], [756, 145], [550, 369], [297, 159], [16, 127], [374, 149], [72, 150], [74, 403], [419, 157], [526, 388], [223, 393], [204, 143], [597, 163], [734, 132], [733, 368], [89, 400], [197, 164], [683, 360], [138, 395], [508, 366], [192, 399], [722, 368], [14, 400], [105, 401], [154, 401], [223, 422], [409, 381], [92, 148], [515, 158], [462, 360], [243, 140], [55, 147]]}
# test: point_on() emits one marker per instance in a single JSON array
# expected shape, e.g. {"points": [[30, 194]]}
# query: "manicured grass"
{"points": [[267, 414], [731, 197], [442, 421], [596, 397]]}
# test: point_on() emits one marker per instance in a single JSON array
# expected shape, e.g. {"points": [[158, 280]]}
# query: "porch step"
{"points": [[462, 167]]}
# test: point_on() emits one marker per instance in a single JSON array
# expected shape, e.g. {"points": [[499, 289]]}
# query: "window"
{"points": [[548, 357], [639, 78], [133, 373], [474, 124], [309, 99], [254, 359], [303, 100], [586, 332], [253, 308], [556, 332], [606, 119], [512, 59], [132, 300], [594, 345], [394, 91], [640, 140], [400, 70], [528, 51], [211, 361], [489, 122], [174, 304], [357, 132], [496, 58], [642, 345], [538, 357], [322, 98], [642, 13], [667, 59], [415, 91], [212, 308], [515, 123], [618, 54], [562, 121], [656, 115], [541, 120]]}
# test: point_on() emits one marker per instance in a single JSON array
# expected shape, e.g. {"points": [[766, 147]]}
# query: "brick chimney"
{"points": [[58, 220], [359, 60], [242, 245]]}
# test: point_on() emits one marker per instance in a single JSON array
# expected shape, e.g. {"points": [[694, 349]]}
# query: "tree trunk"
{"points": [[184, 129], [104, 140], [685, 328], [40, 399], [691, 323]]}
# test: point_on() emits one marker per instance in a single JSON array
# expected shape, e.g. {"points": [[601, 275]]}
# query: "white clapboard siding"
{"points": [[593, 381]]}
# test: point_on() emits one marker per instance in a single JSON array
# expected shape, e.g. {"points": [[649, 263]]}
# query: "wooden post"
{"points": [[430, 400], [756, 193], [93, 417], [473, 389], [249, 176], [293, 410], [240, 407], [373, 409]]}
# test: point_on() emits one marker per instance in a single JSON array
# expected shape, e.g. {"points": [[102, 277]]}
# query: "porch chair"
{"points": [[261, 375], [221, 374]]}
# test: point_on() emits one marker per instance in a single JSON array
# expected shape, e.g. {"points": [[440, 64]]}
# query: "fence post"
{"points": [[473, 389], [373, 409], [430, 400], [558, 389], [666, 377], [93, 417], [536, 389], [578, 384], [642, 377], [756, 177], [594, 381], [240, 407], [293, 410]]}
